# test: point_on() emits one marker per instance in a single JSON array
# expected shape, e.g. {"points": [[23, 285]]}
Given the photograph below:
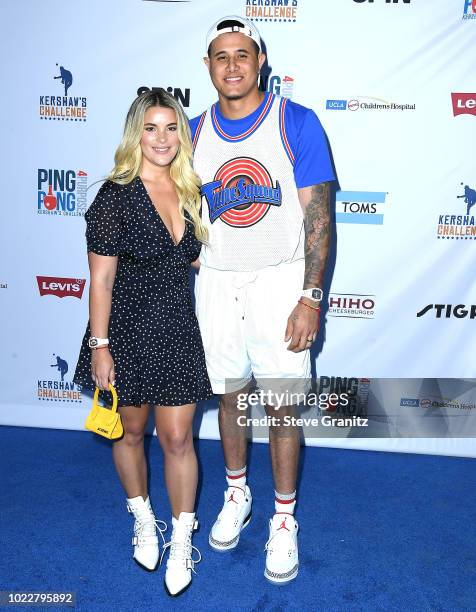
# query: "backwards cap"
{"points": [[233, 23]]}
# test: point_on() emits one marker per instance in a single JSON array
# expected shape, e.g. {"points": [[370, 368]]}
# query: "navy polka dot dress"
{"points": [[153, 332]]}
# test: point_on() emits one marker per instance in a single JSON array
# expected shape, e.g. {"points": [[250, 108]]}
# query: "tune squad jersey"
{"points": [[251, 169]]}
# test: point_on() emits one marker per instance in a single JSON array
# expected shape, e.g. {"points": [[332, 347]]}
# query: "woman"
{"points": [[143, 231]]}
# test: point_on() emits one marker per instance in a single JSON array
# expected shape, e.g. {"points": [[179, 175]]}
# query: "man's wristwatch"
{"points": [[94, 343], [314, 294]]}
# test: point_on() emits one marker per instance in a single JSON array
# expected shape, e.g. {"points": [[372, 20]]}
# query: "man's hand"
{"points": [[102, 369], [302, 328]]}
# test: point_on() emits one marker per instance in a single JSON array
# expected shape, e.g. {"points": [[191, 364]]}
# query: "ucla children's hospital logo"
{"points": [[367, 103], [462, 226], [62, 192], [63, 107], [241, 193], [58, 389], [271, 10]]}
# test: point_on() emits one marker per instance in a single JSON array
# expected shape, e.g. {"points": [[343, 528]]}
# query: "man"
{"points": [[265, 169]]}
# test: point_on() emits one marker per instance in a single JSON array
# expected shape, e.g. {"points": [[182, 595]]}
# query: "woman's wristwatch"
{"points": [[95, 343]]}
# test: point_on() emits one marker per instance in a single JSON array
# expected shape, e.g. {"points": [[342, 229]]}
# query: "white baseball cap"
{"points": [[233, 23]]}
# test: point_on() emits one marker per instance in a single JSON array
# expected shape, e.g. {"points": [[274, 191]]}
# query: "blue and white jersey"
{"points": [[250, 170]]}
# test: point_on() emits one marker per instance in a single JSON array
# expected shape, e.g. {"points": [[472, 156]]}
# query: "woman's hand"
{"points": [[102, 368]]}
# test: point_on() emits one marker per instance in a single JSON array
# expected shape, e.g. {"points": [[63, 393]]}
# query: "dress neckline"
{"points": [[171, 236]]}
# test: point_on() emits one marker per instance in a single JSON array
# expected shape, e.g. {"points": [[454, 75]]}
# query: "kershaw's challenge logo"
{"points": [[241, 193], [65, 107]]}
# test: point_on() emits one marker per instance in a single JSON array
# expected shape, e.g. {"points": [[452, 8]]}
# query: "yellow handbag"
{"points": [[104, 421]]}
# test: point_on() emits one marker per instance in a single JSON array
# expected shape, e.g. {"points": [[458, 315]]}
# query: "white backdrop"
{"points": [[392, 84]]}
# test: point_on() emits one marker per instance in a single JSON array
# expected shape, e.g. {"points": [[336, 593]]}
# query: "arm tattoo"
{"points": [[317, 235]]}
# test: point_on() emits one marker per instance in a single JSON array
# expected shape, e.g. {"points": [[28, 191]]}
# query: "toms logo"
{"points": [[61, 287], [460, 311], [365, 207]]}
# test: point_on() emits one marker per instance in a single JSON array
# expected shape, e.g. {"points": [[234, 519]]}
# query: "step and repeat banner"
{"points": [[392, 82]]}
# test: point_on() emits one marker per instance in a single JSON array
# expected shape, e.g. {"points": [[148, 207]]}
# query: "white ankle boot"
{"points": [[145, 540], [180, 564]]}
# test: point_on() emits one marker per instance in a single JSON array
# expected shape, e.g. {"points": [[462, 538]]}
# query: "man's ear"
{"points": [[206, 61], [261, 60]]}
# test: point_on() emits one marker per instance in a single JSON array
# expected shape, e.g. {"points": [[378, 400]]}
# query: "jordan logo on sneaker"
{"points": [[231, 498], [283, 526]]}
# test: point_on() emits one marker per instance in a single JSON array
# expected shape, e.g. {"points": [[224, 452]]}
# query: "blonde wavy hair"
{"points": [[128, 157]]}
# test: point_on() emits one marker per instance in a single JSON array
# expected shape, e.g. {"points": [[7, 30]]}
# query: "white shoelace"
{"points": [[182, 550], [147, 526]]}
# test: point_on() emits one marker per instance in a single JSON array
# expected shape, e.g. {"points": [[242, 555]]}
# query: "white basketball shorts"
{"points": [[243, 318]]}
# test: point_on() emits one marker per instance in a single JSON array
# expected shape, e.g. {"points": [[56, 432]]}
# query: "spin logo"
{"points": [[181, 95], [58, 389], [281, 86], [362, 207], [241, 193], [459, 226], [61, 192], [469, 10], [63, 106], [271, 10]]}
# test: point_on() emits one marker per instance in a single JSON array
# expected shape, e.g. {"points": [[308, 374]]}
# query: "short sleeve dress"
{"points": [[154, 336]]}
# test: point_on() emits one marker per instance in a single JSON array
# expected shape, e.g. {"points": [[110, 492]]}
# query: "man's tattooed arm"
{"points": [[315, 202]]}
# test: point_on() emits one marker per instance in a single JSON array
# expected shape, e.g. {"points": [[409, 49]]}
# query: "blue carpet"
{"points": [[378, 531]]}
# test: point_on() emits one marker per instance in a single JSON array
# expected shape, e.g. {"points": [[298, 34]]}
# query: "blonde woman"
{"points": [[143, 232]]}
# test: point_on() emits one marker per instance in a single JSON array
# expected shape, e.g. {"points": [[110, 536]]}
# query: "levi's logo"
{"points": [[61, 287], [464, 103]]}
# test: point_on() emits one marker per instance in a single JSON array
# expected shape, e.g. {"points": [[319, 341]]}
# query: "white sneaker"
{"points": [[234, 516], [145, 541], [180, 564], [282, 562]]}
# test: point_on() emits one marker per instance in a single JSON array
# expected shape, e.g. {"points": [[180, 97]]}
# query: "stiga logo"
{"points": [[463, 104], [365, 207], [271, 10], [63, 107], [181, 95], [61, 287], [469, 11], [368, 104], [462, 226], [242, 193], [447, 311], [58, 390], [352, 305], [62, 192], [409, 401], [281, 86]]}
